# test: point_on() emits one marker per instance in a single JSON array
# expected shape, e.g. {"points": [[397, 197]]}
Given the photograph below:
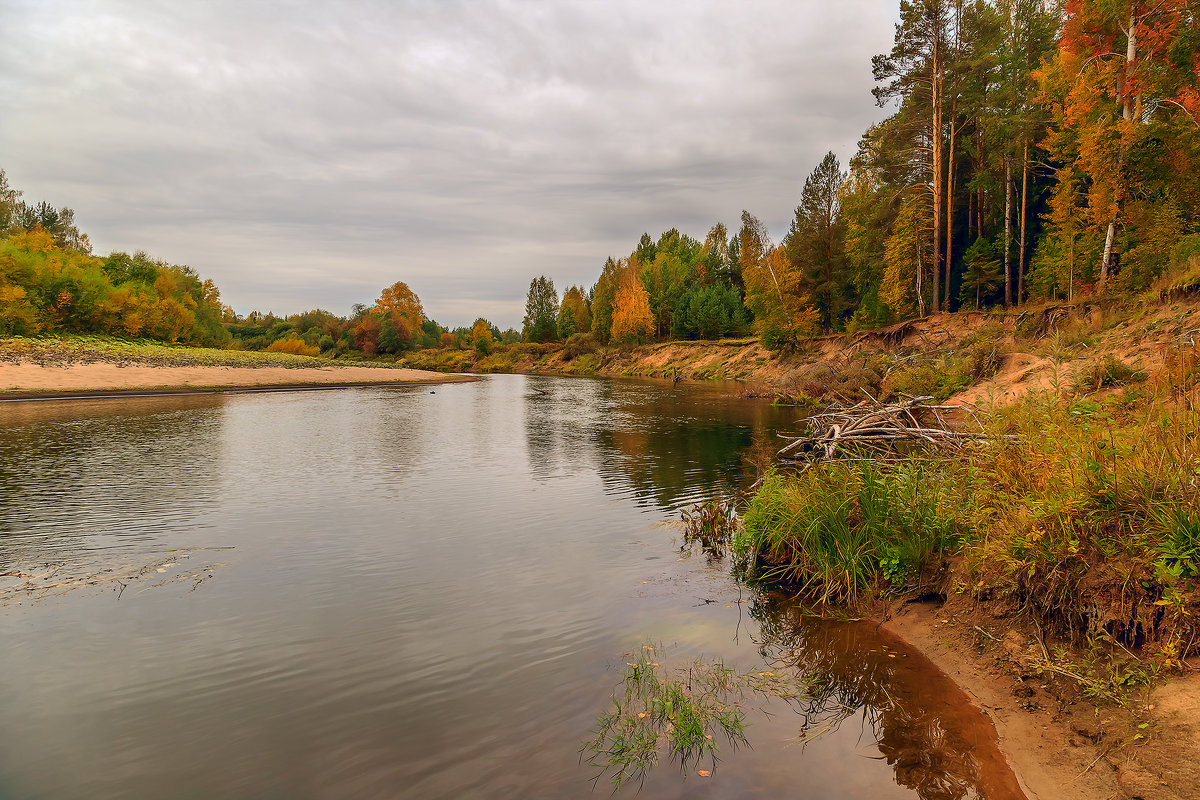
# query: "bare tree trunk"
{"points": [[1008, 201], [1024, 208], [950, 203], [936, 148], [950, 157], [979, 167], [920, 281], [970, 215], [1127, 114]]}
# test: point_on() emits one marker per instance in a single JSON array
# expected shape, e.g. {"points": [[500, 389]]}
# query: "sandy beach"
{"points": [[33, 380]]}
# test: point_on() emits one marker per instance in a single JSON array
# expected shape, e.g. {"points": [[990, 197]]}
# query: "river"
{"points": [[421, 592]]}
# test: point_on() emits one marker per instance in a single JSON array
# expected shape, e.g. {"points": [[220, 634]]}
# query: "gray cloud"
{"points": [[309, 153]]}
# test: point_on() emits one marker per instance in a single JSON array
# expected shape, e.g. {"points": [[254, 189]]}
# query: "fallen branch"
{"points": [[877, 425]]}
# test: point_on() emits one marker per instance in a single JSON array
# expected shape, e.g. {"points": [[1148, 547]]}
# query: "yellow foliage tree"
{"points": [[573, 314], [481, 336], [632, 319], [908, 254], [397, 301], [782, 312]]}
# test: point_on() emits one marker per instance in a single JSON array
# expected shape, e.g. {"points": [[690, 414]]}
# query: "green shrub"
{"points": [[579, 344]]}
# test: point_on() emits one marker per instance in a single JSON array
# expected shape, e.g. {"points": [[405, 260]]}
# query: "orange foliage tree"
{"points": [[632, 318], [397, 301]]}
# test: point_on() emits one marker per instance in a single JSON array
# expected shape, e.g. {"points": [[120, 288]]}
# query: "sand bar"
{"points": [[25, 380]]}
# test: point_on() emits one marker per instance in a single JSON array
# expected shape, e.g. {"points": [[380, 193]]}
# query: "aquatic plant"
{"points": [[655, 711], [712, 524]]}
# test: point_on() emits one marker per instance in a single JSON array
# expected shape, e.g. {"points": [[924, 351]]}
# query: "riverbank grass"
{"points": [[62, 351], [1083, 511]]}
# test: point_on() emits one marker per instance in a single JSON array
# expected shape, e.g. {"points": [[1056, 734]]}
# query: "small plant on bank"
{"points": [[1105, 373]]}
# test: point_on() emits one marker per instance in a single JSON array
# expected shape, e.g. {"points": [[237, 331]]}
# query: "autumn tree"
{"points": [[783, 314], [398, 301], [603, 293], [915, 72], [482, 337], [632, 319], [573, 314], [1124, 93], [909, 254]]}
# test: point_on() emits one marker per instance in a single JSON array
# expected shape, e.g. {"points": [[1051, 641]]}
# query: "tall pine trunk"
{"points": [[1008, 201], [950, 202], [1024, 207], [938, 156]]}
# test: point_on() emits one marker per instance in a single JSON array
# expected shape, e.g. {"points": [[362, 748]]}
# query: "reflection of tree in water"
{"points": [[938, 745], [668, 446], [560, 417]]}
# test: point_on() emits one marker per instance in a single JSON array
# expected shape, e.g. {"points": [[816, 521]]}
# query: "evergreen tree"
{"points": [[541, 311], [815, 244]]}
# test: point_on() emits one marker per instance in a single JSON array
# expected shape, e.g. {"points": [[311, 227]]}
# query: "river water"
{"points": [[423, 592]]}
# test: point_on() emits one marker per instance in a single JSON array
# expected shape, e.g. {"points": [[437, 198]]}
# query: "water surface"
{"points": [[423, 592]]}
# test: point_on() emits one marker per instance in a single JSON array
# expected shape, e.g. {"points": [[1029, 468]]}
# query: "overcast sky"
{"points": [[307, 154]]}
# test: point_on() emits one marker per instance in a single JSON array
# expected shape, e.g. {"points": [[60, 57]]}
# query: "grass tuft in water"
{"points": [[712, 525], [654, 712]]}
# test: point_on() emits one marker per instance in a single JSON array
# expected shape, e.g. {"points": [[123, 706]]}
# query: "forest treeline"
{"points": [[1035, 150], [51, 282]]}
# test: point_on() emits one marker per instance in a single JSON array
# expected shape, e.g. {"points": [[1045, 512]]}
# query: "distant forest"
{"points": [[1037, 150]]}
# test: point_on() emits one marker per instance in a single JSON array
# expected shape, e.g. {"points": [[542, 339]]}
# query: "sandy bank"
{"points": [[1061, 744], [34, 380]]}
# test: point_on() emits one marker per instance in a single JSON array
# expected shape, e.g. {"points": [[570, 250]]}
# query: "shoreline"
{"points": [[25, 381], [1059, 743]]}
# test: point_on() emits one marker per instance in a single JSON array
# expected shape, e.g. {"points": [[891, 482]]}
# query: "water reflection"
{"points": [[939, 745], [428, 595], [667, 446], [135, 464]]}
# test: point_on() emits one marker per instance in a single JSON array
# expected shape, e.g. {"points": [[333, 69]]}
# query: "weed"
{"points": [[712, 525], [842, 527], [1106, 372], [652, 712]]}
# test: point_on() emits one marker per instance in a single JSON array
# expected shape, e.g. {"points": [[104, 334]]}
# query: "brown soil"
{"points": [[1061, 743], [33, 380], [1038, 348]]}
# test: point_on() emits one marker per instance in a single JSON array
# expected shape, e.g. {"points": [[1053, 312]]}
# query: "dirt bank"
{"points": [[26, 380], [1061, 743], [978, 357]]}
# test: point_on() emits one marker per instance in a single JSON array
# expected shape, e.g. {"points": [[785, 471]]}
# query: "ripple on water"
{"points": [[427, 596]]}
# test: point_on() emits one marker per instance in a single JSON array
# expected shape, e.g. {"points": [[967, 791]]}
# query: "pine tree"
{"points": [[541, 311], [815, 244]]}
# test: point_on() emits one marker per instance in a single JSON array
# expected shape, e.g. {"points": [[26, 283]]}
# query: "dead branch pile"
{"points": [[872, 425]]}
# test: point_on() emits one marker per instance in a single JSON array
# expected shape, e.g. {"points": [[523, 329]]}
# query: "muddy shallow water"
{"points": [[419, 593]]}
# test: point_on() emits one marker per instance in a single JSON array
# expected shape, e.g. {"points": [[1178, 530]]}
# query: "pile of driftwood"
{"points": [[872, 425]]}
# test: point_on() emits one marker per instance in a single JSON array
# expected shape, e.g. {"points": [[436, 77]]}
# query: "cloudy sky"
{"points": [[307, 154]]}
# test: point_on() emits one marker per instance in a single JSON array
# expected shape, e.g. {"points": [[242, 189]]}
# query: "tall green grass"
{"points": [[842, 530]]}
